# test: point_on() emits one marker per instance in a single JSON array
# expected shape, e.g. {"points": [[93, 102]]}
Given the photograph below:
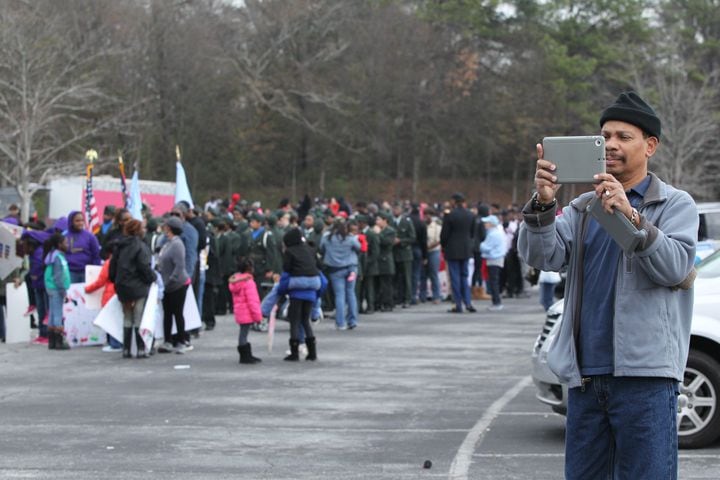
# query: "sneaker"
{"points": [[40, 341], [341, 327], [181, 348], [187, 346], [110, 349], [166, 348], [471, 309], [29, 311], [495, 308], [352, 327]]}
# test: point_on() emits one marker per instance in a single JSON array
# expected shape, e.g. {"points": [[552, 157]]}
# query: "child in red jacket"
{"points": [[246, 306], [103, 280]]}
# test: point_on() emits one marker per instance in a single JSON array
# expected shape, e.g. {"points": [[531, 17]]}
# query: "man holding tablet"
{"points": [[624, 339]]}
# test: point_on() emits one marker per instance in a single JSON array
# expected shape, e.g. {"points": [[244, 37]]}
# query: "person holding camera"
{"points": [[624, 339]]}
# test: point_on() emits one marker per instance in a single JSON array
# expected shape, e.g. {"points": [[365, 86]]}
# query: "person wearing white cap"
{"points": [[493, 250]]}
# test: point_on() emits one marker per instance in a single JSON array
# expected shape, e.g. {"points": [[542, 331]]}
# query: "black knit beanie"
{"points": [[630, 108]]}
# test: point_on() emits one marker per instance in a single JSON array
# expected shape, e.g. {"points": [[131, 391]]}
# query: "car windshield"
{"points": [[710, 267]]}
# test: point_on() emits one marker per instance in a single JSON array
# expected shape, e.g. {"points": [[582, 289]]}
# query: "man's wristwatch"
{"points": [[635, 217], [541, 207]]}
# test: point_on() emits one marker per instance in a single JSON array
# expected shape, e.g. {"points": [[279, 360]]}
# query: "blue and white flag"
{"points": [[182, 191], [134, 201]]}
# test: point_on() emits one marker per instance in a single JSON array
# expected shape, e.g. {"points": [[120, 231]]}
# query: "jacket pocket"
{"points": [[633, 275]]}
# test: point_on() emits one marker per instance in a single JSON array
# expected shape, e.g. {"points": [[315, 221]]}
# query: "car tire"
{"points": [[698, 406]]}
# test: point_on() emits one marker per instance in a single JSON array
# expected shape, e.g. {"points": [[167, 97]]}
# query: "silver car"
{"points": [[698, 407]]}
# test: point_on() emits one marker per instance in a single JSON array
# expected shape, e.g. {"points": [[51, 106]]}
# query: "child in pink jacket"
{"points": [[246, 306]]}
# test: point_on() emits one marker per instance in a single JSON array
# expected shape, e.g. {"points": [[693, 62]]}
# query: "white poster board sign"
{"points": [[110, 317], [9, 260], [94, 299], [78, 319], [17, 325]]}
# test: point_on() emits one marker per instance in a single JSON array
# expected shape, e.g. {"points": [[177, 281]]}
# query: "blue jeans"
{"points": [[622, 428], [417, 266], [344, 292], [547, 294], [458, 270], [493, 283], [431, 272], [41, 306], [56, 299]]}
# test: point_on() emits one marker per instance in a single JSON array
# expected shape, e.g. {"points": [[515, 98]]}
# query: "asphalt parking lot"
{"points": [[405, 387]]}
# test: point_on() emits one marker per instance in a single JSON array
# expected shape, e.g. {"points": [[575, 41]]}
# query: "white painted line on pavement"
{"points": [[461, 463], [518, 455]]}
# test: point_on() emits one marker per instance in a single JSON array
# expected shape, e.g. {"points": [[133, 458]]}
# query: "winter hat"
{"points": [[630, 108], [293, 237], [175, 225]]}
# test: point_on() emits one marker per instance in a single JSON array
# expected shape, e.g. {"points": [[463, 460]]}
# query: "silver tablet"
{"points": [[577, 159]]}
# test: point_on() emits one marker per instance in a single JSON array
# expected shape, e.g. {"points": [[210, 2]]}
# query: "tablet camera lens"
{"points": [[598, 142]]}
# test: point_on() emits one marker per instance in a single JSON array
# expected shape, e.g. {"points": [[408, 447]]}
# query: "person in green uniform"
{"points": [[263, 251], [385, 262], [403, 255], [228, 246]]}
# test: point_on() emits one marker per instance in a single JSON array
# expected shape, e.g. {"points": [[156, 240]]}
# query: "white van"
{"points": [[709, 231]]}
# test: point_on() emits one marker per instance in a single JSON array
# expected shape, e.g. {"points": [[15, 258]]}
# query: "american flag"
{"points": [[123, 186], [92, 219]]}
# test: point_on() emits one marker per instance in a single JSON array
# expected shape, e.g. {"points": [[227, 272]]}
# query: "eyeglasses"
{"points": [[175, 214]]}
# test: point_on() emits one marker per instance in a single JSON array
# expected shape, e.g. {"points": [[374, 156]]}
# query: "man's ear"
{"points": [[652, 145]]}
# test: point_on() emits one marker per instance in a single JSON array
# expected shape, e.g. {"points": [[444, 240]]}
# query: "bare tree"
{"points": [[50, 98], [687, 104]]}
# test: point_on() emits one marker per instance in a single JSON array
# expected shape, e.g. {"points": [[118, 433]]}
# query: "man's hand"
{"points": [[269, 275], [545, 178], [612, 194], [17, 282]]}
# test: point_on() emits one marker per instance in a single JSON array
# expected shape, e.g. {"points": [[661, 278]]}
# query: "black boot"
{"points": [[255, 359], [141, 353], [294, 356], [246, 354], [51, 339], [60, 343], [312, 352], [127, 342]]}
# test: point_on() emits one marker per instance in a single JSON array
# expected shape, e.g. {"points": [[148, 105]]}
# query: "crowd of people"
{"points": [[315, 256]]}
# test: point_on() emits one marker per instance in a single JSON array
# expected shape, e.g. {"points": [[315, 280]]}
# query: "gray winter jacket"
{"points": [[653, 294], [172, 265]]}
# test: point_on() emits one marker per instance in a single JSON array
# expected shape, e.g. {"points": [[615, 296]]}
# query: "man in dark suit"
{"points": [[456, 238]]}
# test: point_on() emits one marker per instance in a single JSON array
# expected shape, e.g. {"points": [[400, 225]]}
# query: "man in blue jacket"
{"points": [[625, 335]]}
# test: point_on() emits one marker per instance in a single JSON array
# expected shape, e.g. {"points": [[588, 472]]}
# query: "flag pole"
{"points": [[123, 181], [92, 219]]}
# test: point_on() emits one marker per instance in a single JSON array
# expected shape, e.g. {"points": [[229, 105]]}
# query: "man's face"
{"points": [[309, 221], [107, 217], [124, 218], [626, 150], [178, 214], [381, 222], [237, 216], [254, 224], [283, 221], [397, 210]]}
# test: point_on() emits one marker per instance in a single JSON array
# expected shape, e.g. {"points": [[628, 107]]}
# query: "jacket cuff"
{"points": [[533, 218], [651, 233]]}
